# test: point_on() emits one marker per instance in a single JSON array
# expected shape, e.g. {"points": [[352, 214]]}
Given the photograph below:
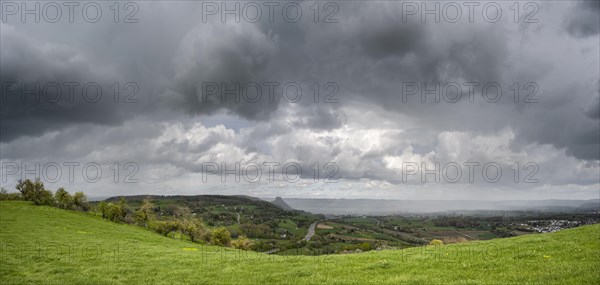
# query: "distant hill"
{"points": [[372, 206], [282, 204], [591, 205], [387, 207], [200, 201]]}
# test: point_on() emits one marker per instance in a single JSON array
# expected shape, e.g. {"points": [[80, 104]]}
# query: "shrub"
{"points": [[158, 226], [4, 195], [203, 234], [80, 201], [436, 242], [195, 230], [242, 243], [262, 246], [63, 199], [164, 228], [365, 246], [102, 207], [144, 214], [448, 240], [114, 212], [315, 245], [221, 236]]}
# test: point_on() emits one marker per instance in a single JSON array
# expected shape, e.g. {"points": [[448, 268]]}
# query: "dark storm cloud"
{"points": [[388, 36], [369, 51], [214, 59], [43, 88], [374, 53], [368, 54], [566, 120], [132, 55], [585, 19], [594, 110]]}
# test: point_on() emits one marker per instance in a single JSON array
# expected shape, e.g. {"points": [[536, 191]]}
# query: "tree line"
{"points": [[35, 192], [183, 222]]}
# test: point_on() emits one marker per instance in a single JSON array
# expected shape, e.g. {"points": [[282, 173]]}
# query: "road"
{"points": [[379, 223], [465, 235], [313, 226], [311, 231]]}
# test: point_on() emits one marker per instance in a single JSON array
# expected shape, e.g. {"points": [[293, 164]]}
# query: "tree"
{"points": [[196, 230], [103, 208], [242, 243], [122, 209], [35, 192], [221, 236], [172, 227], [182, 216], [80, 201], [44, 197], [63, 199], [26, 189], [114, 212], [182, 213], [157, 226], [163, 228], [189, 228], [203, 234], [145, 213]]}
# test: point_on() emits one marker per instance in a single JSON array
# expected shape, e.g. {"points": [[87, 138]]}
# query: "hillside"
{"points": [[269, 225], [48, 245], [224, 210], [279, 202]]}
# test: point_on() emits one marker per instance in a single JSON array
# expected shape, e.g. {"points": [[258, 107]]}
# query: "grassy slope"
{"points": [[570, 256]]}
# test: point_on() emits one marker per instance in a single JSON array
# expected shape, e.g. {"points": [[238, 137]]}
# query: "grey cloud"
{"points": [[29, 65], [437, 53], [594, 110], [368, 54], [584, 21], [235, 55]]}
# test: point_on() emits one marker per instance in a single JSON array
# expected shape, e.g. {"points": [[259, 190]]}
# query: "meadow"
{"points": [[40, 244]]}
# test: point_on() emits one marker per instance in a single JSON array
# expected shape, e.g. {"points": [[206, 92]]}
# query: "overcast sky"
{"points": [[369, 61]]}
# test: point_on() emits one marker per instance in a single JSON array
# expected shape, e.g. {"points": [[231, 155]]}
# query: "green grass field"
{"points": [[51, 246]]}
